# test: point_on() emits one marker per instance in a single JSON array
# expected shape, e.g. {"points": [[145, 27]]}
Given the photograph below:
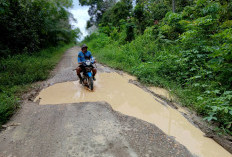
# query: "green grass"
{"points": [[164, 65], [18, 72]]}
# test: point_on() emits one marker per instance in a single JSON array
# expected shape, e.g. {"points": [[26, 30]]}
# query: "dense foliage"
{"points": [[188, 52], [31, 25], [34, 35], [97, 9]]}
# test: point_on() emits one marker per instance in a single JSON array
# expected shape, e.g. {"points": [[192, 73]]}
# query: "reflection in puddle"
{"points": [[133, 101]]}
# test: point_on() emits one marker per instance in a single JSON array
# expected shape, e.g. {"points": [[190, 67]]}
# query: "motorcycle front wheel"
{"points": [[91, 83]]}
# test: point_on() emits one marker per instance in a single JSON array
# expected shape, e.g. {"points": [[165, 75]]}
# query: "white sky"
{"points": [[80, 13]]}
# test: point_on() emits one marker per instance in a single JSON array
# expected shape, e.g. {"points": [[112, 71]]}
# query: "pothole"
{"points": [[133, 101]]}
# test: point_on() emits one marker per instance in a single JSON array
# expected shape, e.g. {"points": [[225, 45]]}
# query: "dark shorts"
{"points": [[82, 67]]}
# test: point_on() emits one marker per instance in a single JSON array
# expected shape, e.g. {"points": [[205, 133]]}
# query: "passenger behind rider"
{"points": [[82, 56]]}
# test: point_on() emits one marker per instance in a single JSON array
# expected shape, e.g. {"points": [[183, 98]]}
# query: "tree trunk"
{"points": [[173, 6]]}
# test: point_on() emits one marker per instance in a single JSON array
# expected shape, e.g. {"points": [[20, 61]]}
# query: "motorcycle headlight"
{"points": [[88, 63]]}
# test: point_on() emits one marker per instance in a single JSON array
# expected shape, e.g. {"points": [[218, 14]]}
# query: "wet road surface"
{"points": [[67, 119]]}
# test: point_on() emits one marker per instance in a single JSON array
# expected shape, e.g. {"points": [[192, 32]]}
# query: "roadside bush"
{"points": [[188, 52], [19, 71]]}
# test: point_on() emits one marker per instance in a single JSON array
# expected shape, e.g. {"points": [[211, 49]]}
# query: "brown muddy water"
{"points": [[134, 101]]}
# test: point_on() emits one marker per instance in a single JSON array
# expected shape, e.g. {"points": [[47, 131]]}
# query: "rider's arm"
{"points": [[91, 57], [79, 59]]}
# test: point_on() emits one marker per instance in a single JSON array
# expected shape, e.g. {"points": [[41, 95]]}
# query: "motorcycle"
{"points": [[87, 76]]}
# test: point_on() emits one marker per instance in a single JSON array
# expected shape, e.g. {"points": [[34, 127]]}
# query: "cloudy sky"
{"points": [[81, 14]]}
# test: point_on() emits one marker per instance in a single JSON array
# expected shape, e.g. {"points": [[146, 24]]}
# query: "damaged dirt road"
{"points": [[117, 119]]}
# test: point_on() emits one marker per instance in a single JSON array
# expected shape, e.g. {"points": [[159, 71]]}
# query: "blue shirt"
{"points": [[82, 57]]}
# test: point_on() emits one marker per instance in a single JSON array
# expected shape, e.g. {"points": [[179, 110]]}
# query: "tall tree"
{"points": [[97, 9], [29, 25], [120, 11]]}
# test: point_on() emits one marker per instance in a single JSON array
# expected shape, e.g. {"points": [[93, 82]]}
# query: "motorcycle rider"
{"points": [[82, 56]]}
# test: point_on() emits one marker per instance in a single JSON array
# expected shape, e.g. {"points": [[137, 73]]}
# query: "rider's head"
{"points": [[84, 48]]}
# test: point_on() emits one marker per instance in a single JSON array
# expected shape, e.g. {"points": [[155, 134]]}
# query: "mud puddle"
{"points": [[133, 101]]}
